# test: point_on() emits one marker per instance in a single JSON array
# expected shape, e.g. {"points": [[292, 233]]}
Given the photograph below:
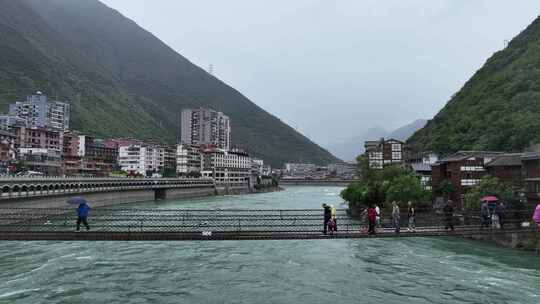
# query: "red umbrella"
{"points": [[489, 198], [536, 214]]}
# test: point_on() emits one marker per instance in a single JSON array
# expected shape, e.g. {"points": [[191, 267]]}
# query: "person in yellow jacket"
{"points": [[334, 219]]}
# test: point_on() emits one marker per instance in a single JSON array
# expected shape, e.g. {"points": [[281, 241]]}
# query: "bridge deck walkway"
{"points": [[225, 224]]}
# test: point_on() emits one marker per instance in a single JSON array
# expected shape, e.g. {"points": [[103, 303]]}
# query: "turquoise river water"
{"points": [[410, 270]]}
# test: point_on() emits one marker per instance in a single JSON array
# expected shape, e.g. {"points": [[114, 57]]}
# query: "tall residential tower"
{"points": [[206, 127]]}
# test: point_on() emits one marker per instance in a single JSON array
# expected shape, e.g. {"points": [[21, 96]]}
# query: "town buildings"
{"points": [[40, 112], [35, 136], [206, 127], [145, 159], [87, 156], [41, 149], [188, 160], [384, 152], [228, 167], [299, 170], [462, 170]]}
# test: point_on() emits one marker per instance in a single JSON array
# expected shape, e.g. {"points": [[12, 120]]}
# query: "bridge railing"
{"points": [[304, 221]]}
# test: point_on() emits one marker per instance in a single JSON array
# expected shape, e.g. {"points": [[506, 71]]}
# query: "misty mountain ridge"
{"points": [[123, 81], [350, 149]]}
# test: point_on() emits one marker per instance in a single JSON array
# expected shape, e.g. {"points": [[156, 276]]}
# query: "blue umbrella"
{"points": [[77, 201]]}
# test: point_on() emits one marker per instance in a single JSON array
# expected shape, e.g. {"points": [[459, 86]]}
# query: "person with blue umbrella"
{"points": [[82, 211]]}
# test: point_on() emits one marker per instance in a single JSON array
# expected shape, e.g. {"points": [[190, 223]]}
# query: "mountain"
{"points": [[123, 81], [497, 109], [348, 150], [408, 130]]}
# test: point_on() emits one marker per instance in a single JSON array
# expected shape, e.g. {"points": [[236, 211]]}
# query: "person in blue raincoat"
{"points": [[82, 216]]}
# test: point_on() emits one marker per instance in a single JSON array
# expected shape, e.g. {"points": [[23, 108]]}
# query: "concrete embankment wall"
{"points": [[527, 241], [108, 198], [189, 193], [98, 199], [112, 198]]}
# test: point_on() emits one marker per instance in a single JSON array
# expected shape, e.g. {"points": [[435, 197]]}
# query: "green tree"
{"points": [[445, 188], [488, 185], [405, 188]]}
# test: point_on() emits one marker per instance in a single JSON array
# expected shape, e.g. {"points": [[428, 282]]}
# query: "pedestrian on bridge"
{"points": [[334, 217], [448, 211], [82, 216], [378, 218], [411, 219], [372, 216], [396, 217], [485, 216], [327, 217], [82, 211]]}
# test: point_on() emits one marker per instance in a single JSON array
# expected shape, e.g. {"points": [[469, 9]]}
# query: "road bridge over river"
{"points": [[225, 224]]}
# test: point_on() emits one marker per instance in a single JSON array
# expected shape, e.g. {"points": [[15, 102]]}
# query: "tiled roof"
{"points": [[531, 156], [462, 155], [510, 159]]}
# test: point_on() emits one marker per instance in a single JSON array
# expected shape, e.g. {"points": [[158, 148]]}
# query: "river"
{"points": [[409, 270]]}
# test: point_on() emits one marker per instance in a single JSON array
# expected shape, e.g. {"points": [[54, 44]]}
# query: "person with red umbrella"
{"points": [[536, 216]]}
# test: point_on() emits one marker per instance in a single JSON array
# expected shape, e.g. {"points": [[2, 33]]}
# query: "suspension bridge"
{"points": [[230, 224]]}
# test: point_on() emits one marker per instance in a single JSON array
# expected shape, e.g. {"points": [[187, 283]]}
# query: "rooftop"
{"points": [[509, 159], [462, 155]]}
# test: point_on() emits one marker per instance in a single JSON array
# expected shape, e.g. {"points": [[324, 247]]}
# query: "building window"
{"points": [[469, 182], [396, 147]]}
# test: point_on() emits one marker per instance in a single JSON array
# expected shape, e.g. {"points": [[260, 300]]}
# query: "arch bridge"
{"points": [[15, 188]]}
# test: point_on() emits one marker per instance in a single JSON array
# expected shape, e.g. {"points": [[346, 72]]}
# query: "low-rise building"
{"points": [[531, 176], [188, 160], [342, 170], [41, 149], [384, 152], [227, 167], [144, 159], [85, 155], [508, 169], [8, 152], [299, 170], [462, 170]]}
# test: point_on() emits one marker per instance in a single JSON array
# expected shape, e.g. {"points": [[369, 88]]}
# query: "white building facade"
{"points": [[188, 159], [227, 167], [141, 159]]}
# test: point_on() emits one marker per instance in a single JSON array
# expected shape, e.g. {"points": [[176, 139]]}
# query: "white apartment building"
{"points": [[40, 112], [141, 158], [206, 127], [228, 167], [299, 170], [188, 159]]}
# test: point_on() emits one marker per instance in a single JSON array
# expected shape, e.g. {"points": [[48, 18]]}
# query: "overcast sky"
{"points": [[335, 68]]}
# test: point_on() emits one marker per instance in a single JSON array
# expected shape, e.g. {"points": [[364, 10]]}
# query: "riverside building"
{"points": [[142, 159], [227, 167], [40, 112], [188, 159], [383, 152], [206, 127]]}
